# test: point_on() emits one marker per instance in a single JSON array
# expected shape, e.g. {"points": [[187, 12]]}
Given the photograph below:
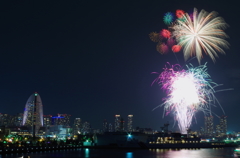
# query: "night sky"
{"points": [[93, 59]]}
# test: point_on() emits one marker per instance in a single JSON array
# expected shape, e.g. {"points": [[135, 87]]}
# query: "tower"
{"points": [[47, 120], [209, 125], [223, 125], [77, 126], [105, 126], [86, 127], [218, 130], [121, 124], [129, 124], [117, 123], [110, 127], [33, 113]]}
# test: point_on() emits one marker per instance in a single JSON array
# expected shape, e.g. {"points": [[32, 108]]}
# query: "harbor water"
{"points": [[130, 153]]}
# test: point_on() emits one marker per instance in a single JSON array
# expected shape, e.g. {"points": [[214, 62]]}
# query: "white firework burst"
{"points": [[201, 32]]}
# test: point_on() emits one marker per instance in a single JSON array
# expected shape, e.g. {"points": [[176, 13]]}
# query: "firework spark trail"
{"points": [[188, 91], [201, 33]]}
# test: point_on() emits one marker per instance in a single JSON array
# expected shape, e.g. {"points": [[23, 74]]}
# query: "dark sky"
{"points": [[93, 59]]}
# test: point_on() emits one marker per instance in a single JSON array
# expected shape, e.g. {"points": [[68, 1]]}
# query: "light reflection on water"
{"points": [[86, 152], [195, 153], [132, 153], [129, 155]]}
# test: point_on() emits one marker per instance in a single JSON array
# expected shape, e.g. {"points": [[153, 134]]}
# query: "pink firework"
{"points": [[171, 42], [187, 91]]}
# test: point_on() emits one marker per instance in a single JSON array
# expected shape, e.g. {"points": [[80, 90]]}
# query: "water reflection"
{"points": [[86, 152], [129, 155], [193, 153], [184, 153], [116, 153]]}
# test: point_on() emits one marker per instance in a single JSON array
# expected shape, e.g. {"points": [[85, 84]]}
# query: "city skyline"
{"points": [[218, 126], [79, 126], [94, 60]]}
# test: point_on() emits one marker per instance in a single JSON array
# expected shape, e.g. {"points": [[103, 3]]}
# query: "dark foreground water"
{"points": [[123, 153]]}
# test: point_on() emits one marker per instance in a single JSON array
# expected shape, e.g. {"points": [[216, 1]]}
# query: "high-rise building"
{"points": [[6, 120], [218, 130], [61, 119], [86, 128], [110, 127], [122, 129], [33, 113], [209, 125], [1, 119], [47, 120], [77, 125], [223, 125], [18, 118], [105, 125], [130, 123], [201, 132], [56, 120], [117, 123]]}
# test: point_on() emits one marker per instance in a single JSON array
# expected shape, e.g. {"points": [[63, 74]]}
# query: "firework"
{"points": [[162, 48], [171, 42], [176, 48], [165, 33], [188, 91], [155, 37], [168, 18], [179, 13], [203, 32]]}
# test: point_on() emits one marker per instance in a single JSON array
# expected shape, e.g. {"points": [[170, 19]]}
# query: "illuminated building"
{"points": [[201, 132], [221, 128], [122, 125], [223, 125], [105, 126], [144, 130], [11, 120], [130, 123], [60, 132], [218, 130], [209, 125], [86, 128], [18, 119], [110, 127], [77, 126], [47, 120], [117, 123], [1, 119], [33, 113], [6, 120], [61, 119]]}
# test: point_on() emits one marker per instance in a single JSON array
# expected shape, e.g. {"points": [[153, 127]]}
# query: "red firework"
{"points": [[176, 48], [179, 13], [165, 33]]}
